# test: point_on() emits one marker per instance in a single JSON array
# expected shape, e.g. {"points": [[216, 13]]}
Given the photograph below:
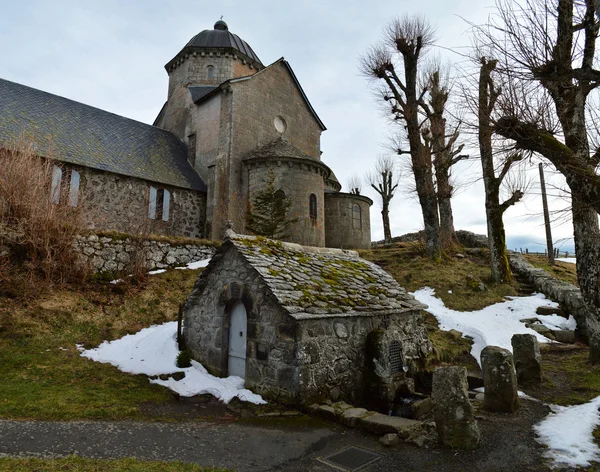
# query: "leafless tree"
{"points": [[384, 179], [487, 98], [395, 64], [551, 44], [355, 184], [443, 147]]}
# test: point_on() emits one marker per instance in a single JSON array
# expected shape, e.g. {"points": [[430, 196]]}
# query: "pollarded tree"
{"points": [[354, 184], [494, 210], [384, 180], [405, 41], [268, 214], [552, 44], [443, 148]]}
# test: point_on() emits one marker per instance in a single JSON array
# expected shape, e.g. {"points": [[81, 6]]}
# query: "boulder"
{"points": [[527, 358], [454, 420], [500, 380], [566, 336], [389, 440]]}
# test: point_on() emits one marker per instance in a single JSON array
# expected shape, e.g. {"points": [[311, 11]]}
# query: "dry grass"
{"points": [[564, 271], [406, 263], [39, 233]]}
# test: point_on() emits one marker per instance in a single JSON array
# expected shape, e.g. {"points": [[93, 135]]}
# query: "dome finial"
{"points": [[221, 25]]}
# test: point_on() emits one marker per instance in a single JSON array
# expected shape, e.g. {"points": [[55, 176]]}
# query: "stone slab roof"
{"points": [[277, 148], [199, 92], [76, 133], [311, 282]]}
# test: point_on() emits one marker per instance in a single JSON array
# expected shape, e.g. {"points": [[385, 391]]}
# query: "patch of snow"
{"points": [[116, 281], [153, 351], [157, 271], [568, 434], [519, 393], [557, 321], [571, 260], [195, 265], [494, 325], [449, 291]]}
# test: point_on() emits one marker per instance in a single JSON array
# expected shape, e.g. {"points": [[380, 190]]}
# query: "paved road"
{"points": [[508, 444]]}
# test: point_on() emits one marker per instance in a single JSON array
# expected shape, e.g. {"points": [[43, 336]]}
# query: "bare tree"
{"points": [[405, 41], [494, 210], [552, 44], [384, 180], [355, 184], [443, 148]]}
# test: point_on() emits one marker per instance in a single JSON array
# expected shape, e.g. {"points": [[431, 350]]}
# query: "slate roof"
{"points": [[311, 282], [199, 92], [277, 148], [72, 132]]}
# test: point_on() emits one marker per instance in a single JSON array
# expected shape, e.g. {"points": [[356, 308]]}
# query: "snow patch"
{"points": [[157, 271], [494, 325], [568, 434], [571, 260], [153, 351], [195, 265]]}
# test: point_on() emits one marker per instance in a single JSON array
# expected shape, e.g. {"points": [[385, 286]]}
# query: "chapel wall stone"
{"points": [[347, 221], [299, 179], [117, 202]]}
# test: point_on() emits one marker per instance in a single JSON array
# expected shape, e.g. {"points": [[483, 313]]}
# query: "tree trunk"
{"points": [[421, 163], [444, 195], [385, 215], [493, 210], [587, 251]]}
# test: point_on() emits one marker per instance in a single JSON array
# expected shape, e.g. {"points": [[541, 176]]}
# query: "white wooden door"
{"points": [[237, 340]]}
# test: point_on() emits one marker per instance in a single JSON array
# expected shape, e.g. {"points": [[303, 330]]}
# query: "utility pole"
{"points": [[546, 217]]}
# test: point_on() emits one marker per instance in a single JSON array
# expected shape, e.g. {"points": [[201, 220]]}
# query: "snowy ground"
{"points": [[153, 351], [568, 431], [495, 324], [572, 260], [568, 434]]}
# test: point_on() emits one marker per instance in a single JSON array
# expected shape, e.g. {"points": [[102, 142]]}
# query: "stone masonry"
{"points": [[114, 254], [309, 312]]}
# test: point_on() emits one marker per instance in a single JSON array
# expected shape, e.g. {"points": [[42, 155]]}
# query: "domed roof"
{"points": [[221, 37]]}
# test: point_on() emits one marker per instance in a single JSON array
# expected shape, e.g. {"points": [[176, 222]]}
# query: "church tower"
{"points": [[206, 61]]}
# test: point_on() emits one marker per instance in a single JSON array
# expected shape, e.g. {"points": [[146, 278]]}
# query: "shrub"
{"points": [[184, 359], [39, 235]]}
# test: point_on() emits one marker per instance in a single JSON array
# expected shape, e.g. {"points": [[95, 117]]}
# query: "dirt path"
{"points": [[508, 444]]}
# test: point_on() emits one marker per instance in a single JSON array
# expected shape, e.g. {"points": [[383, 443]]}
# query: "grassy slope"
{"points": [[564, 271], [43, 375]]}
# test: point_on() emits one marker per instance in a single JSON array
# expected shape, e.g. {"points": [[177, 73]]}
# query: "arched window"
{"points": [[210, 71], [356, 216], [312, 208]]}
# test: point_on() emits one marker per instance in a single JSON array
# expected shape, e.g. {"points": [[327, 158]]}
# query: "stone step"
{"points": [[383, 424]]}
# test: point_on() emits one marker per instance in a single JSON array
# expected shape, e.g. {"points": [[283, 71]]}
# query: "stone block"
{"points": [[527, 358], [327, 412], [352, 416], [566, 336], [383, 424], [389, 440], [500, 380], [454, 419]]}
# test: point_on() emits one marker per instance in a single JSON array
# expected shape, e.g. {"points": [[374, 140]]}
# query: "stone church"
{"points": [[227, 123]]}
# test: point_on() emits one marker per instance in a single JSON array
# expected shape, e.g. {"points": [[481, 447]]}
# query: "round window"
{"points": [[280, 124]]}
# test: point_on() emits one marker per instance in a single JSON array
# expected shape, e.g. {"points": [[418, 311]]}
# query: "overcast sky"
{"points": [[111, 54]]}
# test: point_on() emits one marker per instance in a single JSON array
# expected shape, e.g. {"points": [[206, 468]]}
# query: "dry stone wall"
{"points": [[568, 295], [114, 254]]}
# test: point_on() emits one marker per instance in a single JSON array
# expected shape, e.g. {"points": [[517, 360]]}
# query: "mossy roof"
{"points": [[76, 133], [312, 282]]}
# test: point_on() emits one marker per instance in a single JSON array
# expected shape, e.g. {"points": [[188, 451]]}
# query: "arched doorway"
{"points": [[237, 340]]}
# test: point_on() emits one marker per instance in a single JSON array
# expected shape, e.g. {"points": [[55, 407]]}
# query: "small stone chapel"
{"points": [[296, 322]]}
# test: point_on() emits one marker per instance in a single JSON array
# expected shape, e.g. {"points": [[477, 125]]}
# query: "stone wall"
{"points": [[116, 202], [114, 254], [347, 221], [568, 295], [271, 365], [298, 178], [332, 352]]}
